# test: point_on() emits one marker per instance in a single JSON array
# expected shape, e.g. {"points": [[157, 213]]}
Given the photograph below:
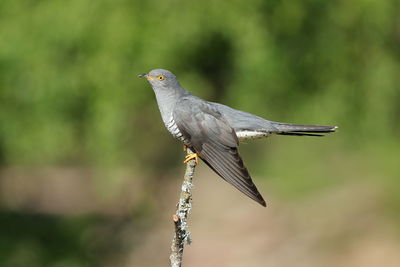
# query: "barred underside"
{"points": [[250, 135], [174, 130]]}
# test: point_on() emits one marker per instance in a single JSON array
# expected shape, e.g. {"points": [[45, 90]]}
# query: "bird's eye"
{"points": [[160, 77]]}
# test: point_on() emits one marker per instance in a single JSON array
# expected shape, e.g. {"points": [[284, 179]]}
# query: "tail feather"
{"points": [[303, 130], [300, 134]]}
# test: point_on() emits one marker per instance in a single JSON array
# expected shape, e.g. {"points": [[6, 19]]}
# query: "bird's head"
{"points": [[160, 78]]}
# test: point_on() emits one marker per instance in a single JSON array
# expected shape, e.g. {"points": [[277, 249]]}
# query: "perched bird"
{"points": [[214, 130]]}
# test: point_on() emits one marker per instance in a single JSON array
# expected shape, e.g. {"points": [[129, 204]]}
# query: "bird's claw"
{"points": [[190, 157]]}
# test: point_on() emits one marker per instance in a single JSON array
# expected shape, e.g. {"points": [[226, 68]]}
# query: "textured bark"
{"points": [[184, 206]]}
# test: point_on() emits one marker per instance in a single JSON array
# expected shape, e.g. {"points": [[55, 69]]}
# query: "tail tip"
{"points": [[262, 202], [334, 128]]}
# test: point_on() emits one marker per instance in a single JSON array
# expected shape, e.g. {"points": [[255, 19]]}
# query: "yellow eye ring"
{"points": [[160, 77]]}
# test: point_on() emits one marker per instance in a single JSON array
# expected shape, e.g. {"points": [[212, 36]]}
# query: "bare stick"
{"points": [[184, 205]]}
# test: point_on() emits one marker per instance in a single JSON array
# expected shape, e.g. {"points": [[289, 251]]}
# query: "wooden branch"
{"points": [[184, 206]]}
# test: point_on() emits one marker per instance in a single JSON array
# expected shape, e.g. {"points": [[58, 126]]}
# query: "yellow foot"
{"points": [[190, 157]]}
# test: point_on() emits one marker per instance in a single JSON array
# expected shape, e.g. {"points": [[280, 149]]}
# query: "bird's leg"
{"points": [[185, 147], [192, 156]]}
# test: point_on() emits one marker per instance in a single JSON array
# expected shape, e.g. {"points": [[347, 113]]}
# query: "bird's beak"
{"points": [[147, 76]]}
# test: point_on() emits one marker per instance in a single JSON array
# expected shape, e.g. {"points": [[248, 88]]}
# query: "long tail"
{"points": [[303, 130]]}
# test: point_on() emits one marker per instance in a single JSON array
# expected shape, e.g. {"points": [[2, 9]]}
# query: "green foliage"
{"points": [[40, 240], [69, 92]]}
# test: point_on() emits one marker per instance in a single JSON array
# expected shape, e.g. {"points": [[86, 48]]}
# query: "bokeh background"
{"points": [[90, 177]]}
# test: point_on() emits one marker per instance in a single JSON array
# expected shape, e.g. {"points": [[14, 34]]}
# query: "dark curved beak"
{"points": [[142, 75]]}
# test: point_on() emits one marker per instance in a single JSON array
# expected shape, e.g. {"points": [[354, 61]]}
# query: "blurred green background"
{"points": [[89, 174]]}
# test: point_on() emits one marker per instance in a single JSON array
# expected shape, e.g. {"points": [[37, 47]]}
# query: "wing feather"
{"points": [[216, 143]]}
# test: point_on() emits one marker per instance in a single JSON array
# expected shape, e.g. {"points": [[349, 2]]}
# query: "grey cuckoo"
{"points": [[213, 130]]}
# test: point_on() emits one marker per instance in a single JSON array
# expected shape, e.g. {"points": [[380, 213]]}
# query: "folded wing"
{"points": [[216, 143]]}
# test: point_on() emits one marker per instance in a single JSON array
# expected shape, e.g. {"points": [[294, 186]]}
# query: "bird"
{"points": [[213, 131]]}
